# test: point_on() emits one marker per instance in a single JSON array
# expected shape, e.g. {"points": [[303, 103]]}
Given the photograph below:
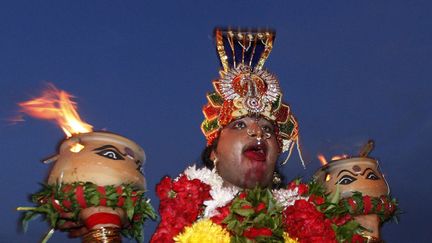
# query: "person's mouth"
{"points": [[256, 152]]}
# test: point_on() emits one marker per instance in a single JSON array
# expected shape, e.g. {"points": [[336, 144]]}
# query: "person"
{"points": [[247, 127], [246, 124]]}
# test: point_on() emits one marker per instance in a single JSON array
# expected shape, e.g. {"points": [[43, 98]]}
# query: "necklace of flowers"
{"points": [[200, 194], [221, 195], [197, 207]]}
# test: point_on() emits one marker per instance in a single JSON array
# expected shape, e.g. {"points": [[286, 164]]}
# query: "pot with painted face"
{"points": [[360, 174], [103, 159]]}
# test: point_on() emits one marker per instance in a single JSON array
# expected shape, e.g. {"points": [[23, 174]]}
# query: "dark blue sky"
{"points": [[351, 70]]}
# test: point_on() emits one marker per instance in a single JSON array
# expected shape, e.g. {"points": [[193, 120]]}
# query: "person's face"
{"points": [[246, 152]]}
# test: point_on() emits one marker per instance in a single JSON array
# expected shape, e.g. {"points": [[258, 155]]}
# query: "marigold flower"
{"points": [[288, 239], [203, 231]]}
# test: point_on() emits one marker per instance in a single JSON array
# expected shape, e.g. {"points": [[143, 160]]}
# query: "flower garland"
{"points": [[204, 231], [253, 215], [384, 206], [196, 207], [54, 200], [220, 195], [181, 202]]}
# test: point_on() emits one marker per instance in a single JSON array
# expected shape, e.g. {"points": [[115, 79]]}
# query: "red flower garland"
{"points": [[54, 200], [384, 206], [313, 217], [223, 213], [181, 204], [253, 233], [304, 222]]}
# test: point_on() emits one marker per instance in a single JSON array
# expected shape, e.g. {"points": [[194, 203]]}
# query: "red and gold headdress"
{"points": [[245, 88]]}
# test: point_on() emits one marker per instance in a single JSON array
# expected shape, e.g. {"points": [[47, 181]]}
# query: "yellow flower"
{"points": [[203, 231], [289, 239]]}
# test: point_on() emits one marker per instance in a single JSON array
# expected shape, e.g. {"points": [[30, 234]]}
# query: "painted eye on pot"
{"points": [[345, 180], [110, 154], [372, 176], [139, 166], [139, 169]]}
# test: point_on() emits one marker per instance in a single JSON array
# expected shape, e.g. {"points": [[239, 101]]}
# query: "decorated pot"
{"points": [[353, 174], [359, 174], [102, 158], [104, 171], [96, 184]]}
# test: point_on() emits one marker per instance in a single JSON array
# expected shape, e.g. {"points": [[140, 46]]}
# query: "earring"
{"points": [[215, 163], [277, 180]]}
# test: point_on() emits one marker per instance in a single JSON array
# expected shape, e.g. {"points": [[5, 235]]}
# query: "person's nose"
{"points": [[255, 130]]}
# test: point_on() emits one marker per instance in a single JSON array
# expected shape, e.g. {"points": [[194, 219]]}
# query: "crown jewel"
{"points": [[244, 88]]}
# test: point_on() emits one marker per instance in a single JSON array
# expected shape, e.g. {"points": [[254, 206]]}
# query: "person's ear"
{"points": [[212, 155], [213, 158]]}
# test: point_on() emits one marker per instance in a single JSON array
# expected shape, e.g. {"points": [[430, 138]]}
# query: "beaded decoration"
{"points": [[244, 88]]}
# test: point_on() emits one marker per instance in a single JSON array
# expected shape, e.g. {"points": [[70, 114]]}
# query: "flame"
{"points": [[322, 159], [338, 157], [56, 105], [76, 148]]}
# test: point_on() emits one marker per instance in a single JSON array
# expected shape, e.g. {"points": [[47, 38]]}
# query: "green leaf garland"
{"points": [[52, 200]]}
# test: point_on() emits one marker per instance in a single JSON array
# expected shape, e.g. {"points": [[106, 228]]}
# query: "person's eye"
{"points": [[372, 176], [239, 125], [346, 179], [110, 154], [268, 129]]}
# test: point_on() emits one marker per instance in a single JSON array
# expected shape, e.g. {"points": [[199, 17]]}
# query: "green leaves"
{"points": [[128, 206], [346, 231], [48, 235], [28, 216], [257, 209], [53, 199], [336, 207]]}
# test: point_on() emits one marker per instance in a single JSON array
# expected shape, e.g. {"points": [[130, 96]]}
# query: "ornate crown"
{"points": [[244, 88]]}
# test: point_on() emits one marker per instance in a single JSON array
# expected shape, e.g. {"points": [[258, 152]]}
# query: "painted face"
{"points": [[247, 152], [356, 174], [103, 158]]}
